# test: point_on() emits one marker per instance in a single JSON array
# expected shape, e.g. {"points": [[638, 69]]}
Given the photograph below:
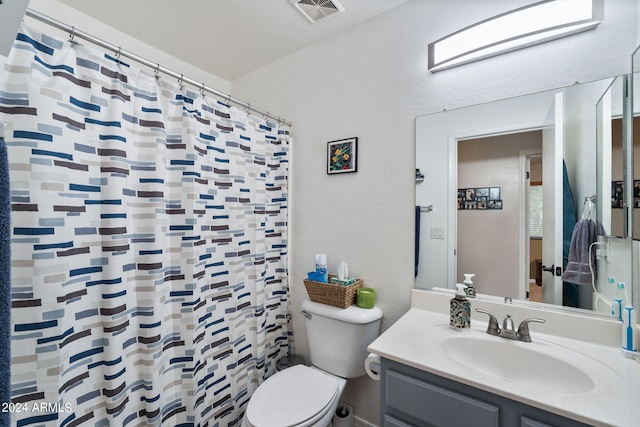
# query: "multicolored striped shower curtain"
{"points": [[149, 244]]}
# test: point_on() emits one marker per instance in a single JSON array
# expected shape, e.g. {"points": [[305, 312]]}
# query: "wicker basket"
{"points": [[335, 295]]}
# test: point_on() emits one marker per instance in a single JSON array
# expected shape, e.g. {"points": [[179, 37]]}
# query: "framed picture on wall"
{"points": [[617, 195], [494, 193], [342, 156], [482, 192], [482, 198]]}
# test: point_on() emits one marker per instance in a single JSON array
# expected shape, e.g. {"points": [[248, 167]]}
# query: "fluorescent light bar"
{"points": [[527, 26]]}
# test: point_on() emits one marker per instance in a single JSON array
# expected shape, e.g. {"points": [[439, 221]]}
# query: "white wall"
{"points": [[69, 16], [371, 82], [580, 137]]}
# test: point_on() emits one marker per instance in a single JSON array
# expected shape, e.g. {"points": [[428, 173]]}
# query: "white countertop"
{"points": [[614, 400]]}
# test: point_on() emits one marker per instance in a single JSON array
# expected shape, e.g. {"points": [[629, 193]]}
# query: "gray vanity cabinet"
{"points": [[414, 398]]}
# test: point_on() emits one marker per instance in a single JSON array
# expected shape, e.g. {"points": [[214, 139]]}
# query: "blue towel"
{"points": [[5, 283], [568, 215], [570, 293], [417, 260]]}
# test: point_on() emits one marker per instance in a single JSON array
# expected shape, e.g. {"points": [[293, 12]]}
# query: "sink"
{"points": [[582, 379], [542, 365], [511, 361]]}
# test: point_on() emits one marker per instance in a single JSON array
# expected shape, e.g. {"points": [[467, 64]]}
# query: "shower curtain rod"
{"points": [[156, 66]]}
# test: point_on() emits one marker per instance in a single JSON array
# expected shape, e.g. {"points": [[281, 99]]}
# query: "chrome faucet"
{"points": [[508, 330]]}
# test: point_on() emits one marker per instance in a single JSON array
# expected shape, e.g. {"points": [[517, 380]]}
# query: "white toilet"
{"points": [[304, 396]]}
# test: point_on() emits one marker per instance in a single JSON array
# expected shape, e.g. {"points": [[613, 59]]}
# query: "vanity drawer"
{"points": [[391, 421], [436, 405], [411, 397], [530, 422]]}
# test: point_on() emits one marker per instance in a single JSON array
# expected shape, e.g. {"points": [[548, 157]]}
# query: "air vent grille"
{"points": [[314, 10]]}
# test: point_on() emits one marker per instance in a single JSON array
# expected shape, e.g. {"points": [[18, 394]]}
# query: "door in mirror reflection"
{"points": [[494, 236], [491, 235]]}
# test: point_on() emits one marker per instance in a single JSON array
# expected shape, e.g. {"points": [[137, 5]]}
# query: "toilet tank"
{"points": [[338, 338]]}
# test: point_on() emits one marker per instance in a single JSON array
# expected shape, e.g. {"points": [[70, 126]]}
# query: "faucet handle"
{"points": [[523, 329], [492, 328]]}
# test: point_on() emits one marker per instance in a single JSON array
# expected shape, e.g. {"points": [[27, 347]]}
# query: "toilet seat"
{"points": [[297, 396]]}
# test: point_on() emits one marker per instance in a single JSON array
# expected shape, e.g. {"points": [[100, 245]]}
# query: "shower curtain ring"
{"points": [[118, 52], [73, 34], [202, 89], [180, 79], [157, 70]]}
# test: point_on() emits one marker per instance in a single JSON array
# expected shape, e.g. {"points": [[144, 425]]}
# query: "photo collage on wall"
{"points": [[617, 197], [481, 198]]}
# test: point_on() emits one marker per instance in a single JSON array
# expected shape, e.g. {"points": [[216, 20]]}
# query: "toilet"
{"points": [[307, 396]]}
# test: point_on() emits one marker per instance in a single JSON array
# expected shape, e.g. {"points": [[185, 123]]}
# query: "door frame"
{"points": [[525, 236]]}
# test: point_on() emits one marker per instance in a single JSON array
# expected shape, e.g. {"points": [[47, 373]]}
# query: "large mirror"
{"points": [[505, 185], [635, 129]]}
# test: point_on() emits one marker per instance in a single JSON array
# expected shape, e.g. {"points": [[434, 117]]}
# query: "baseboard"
{"points": [[359, 422]]}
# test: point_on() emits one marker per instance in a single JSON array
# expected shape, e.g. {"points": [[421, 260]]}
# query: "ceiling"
{"points": [[227, 38]]}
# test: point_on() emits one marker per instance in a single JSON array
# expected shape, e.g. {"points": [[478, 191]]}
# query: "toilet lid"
{"points": [[291, 397]]}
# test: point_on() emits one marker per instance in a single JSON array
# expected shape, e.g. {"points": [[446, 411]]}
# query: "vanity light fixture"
{"points": [[527, 26]]}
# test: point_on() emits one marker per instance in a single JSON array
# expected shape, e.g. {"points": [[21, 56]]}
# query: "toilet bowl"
{"points": [[308, 396], [299, 396]]}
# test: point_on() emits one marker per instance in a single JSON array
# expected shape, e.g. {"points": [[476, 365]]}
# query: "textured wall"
{"points": [[371, 82]]}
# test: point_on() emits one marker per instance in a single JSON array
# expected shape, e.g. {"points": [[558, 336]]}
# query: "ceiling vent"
{"points": [[314, 10]]}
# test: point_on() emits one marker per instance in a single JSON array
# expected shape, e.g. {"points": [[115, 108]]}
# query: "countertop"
{"points": [[614, 401]]}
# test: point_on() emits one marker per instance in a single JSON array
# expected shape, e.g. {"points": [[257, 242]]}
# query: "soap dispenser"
{"points": [[470, 291], [460, 310]]}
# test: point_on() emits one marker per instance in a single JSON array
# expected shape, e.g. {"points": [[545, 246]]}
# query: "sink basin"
{"points": [[581, 379], [516, 362], [542, 365]]}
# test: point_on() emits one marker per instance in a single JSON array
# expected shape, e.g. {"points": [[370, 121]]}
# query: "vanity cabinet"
{"points": [[414, 398]]}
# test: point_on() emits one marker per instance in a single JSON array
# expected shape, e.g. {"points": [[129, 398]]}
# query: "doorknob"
{"points": [[548, 269]]}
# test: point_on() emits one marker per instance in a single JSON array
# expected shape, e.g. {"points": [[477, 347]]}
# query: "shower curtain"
{"points": [[149, 243]]}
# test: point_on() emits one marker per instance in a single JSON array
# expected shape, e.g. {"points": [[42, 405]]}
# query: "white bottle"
{"points": [[343, 271], [629, 334], [470, 291]]}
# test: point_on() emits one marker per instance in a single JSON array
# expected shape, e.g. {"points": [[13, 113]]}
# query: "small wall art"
{"points": [[342, 156], [617, 194], [482, 198]]}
